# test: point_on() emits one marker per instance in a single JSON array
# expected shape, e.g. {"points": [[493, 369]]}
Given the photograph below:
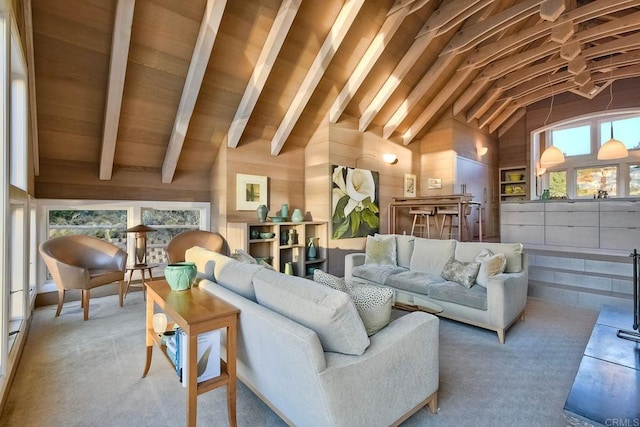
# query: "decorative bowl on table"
{"points": [[267, 235], [180, 275], [515, 176], [278, 218]]}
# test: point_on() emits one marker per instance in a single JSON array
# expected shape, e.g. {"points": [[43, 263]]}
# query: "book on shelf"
{"points": [[208, 356]]}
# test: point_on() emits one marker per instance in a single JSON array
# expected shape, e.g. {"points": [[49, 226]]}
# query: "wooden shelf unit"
{"points": [[513, 190], [277, 248]]}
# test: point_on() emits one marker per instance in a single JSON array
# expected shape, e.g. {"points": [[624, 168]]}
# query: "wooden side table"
{"points": [[141, 268], [195, 311]]}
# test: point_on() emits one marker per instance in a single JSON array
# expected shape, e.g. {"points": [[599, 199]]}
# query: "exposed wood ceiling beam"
{"points": [[512, 121], [330, 46], [264, 65], [492, 51], [480, 32], [370, 57], [498, 68], [117, 71], [454, 11], [199, 60], [31, 77]]}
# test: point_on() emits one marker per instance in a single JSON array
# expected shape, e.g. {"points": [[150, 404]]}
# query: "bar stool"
{"points": [[450, 212], [422, 219]]}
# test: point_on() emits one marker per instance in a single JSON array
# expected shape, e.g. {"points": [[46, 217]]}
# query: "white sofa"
{"points": [[417, 282], [391, 375]]}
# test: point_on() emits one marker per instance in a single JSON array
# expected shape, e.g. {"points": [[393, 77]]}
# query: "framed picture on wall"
{"points": [[251, 192], [409, 185], [355, 199]]}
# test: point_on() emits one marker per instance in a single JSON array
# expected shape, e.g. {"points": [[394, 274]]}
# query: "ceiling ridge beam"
{"points": [[429, 78], [369, 59], [199, 59], [495, 69], [451, 12], [275, 39], [492, 51], [120, 42], [332, 42], [465, 40]]}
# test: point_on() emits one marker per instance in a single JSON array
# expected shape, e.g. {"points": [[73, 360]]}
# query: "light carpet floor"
{"points": [[76, 373]]}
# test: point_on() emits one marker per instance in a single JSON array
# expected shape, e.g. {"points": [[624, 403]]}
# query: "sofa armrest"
{"points": [[403, 357], [350, 261], [507, 296]]}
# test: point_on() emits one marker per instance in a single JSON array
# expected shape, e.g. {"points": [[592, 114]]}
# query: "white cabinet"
{"points": [[620, 224], [522, 222]]}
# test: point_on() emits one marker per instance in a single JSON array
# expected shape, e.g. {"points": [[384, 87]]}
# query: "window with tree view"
{"points": [[109, 225], [168, 224], [590, 180]]}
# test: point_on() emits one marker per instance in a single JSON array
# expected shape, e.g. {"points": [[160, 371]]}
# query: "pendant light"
{"points": [[612, 149], [551, 156]]}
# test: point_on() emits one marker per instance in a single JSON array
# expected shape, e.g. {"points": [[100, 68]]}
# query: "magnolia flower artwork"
{"points": [[355, 211]]}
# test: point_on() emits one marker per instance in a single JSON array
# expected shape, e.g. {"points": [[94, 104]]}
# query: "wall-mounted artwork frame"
{"points": [[251, 191], [409, 185], [434, 183], [355, 202]]}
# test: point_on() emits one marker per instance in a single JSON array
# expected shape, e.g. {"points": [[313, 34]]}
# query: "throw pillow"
{"points": [[373, 304], [330, 280], [247, 258], [464, 273], [381, 250], [490, 265]]}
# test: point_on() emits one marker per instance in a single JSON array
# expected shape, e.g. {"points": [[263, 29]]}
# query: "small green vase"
{"points": [[180, 275]]}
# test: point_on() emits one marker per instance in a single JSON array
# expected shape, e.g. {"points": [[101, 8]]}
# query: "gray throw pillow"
{"points": [[381, 250], [464, 273]]}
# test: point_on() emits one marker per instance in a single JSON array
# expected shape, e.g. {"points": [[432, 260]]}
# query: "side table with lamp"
{"points": [[140, 265]]}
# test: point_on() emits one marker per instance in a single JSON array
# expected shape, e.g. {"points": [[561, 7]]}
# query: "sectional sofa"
{"points": [[303, 349], [450, 278]]}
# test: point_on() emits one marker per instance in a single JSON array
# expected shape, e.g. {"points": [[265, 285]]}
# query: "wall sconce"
{"points": [[141, 242], [482, 151], [390, 158]]}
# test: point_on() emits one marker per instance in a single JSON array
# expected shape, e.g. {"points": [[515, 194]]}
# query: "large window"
{"points": [[582, 175]]}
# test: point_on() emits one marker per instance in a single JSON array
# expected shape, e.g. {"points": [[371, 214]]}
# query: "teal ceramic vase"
{"points": [[180, 275], [262, 212], [297, 216], [311, 248]]}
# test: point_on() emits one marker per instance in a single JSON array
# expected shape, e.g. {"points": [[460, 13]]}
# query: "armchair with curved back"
{"points": [[83, 262], [188, 239]]}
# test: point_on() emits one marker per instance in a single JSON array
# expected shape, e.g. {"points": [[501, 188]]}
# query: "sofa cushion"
{"points": [[233, 275], [404, 249], [329, 280], [467, 251], [413, 281], [328, 312], [490, 265], [464, 273], [375, 273], [475, 297], [380, 250], [373, 303], [430, 255], [246, 257]]}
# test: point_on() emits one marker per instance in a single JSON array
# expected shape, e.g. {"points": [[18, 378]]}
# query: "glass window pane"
{"points": [[558, 183], [169, 223], [634, 180], [573, 141], [590, 180], [109, 225], [624, 130]]}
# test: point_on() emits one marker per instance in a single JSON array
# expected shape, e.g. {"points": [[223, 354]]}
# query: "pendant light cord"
{"points": [[550, 106]]}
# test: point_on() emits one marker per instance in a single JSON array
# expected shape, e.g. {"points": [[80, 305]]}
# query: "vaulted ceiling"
{"points": [[162, 84]]}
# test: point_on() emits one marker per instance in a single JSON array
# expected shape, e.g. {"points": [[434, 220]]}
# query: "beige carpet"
{"points": [[76, 373]]}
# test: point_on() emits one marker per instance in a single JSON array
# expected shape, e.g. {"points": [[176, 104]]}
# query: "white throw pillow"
{"points": [[381, 250], [373, 304], [490, 265], [329, 280]]}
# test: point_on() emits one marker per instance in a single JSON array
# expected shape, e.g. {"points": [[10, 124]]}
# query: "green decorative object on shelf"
{"points": [[297, 216], [311, 248], [180, 275]]}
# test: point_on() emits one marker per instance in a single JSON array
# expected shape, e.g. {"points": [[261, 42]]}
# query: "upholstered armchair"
{"points": [[188, 239], [83, 262]]}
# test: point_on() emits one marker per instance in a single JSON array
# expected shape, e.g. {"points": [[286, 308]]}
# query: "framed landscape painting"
{"points": [[355, 208], [251, 192]]}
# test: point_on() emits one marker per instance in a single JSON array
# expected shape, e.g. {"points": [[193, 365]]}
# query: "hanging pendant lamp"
{"points": [[550, 157], [612, 149]]}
